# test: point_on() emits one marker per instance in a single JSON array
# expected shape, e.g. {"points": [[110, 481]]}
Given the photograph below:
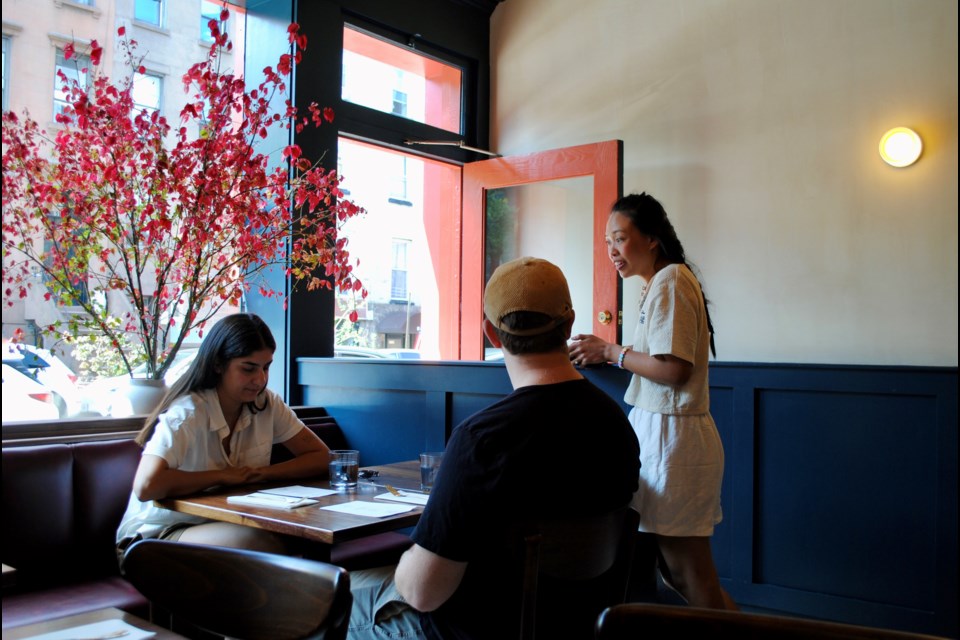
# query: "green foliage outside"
{"points": [[97, 357]]}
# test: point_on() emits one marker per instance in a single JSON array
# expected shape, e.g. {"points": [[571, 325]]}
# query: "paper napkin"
{"points": [[369, 509], [410, 498], [105, 628], [300, 491], [263, 499]]}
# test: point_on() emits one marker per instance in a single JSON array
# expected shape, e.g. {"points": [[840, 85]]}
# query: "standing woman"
{"points": [[216, 427], [680, 451]]}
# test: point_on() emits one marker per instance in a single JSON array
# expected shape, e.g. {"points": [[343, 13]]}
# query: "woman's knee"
{"points": [[224, 534]]}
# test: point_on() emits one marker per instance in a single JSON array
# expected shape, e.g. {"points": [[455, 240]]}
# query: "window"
{"points": [[399, 193], [398, 274], [209, 11], [6, 70], [398, 90], [422, 88], [147, 93], [76, 69], [399, 103], [405, 257], [149, 11]]}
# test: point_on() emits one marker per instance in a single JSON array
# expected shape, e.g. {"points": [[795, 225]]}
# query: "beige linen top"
{"points": [[673, 321]]}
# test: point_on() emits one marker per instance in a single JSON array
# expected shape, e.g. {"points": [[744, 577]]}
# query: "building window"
{"points": [[209, 11], [398, 273], [399, 192], [76, 69], [147, 93], [6, 71], [399, 103], [148, 11]]}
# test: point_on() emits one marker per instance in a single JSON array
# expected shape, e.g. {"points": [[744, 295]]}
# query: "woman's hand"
{"points": [[310, 459], [586, 349], [239, 475], [155, 479]]}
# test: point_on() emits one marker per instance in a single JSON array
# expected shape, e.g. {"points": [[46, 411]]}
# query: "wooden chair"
{"points": [[242, 594], [654, 621], [574, 568]]}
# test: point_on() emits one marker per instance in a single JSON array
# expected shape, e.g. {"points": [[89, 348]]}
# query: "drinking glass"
{"points": [[429, 465], [344, 468]]}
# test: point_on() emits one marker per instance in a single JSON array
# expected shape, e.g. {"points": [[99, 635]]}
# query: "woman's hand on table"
{"points": [[240, 475]]}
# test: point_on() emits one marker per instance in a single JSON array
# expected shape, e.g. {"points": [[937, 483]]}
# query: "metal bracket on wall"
{"points": [[453, 143]]}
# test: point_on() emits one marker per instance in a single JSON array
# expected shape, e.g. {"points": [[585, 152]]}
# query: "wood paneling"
{"points": [[840, 486]]}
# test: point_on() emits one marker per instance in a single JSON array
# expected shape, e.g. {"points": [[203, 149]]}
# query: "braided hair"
{"points": [[647, 214]]}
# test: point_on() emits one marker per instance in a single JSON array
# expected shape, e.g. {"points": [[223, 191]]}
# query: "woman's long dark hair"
{"points": [[232, 337], [647, 214]]}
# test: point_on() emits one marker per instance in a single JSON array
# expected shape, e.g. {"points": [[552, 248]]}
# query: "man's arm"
{"points": [[426, 580]]}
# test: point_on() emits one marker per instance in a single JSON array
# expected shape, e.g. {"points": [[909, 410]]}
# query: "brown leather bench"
{"points": [[62, 504]]}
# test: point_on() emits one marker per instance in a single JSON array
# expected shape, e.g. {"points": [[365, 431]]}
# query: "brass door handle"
{"points": [[604, 317]]}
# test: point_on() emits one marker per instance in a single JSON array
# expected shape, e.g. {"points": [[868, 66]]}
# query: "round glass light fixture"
{"points": [[900, 147]]}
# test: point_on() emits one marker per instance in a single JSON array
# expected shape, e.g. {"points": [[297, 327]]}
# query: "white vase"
{"points": [[137, 397]]}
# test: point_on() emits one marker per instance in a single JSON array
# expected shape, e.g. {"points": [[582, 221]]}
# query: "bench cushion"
{"points": [[57, 602], [62, 505]]}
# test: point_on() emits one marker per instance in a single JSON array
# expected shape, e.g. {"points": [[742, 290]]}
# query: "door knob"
{"points": [[604, 317]]}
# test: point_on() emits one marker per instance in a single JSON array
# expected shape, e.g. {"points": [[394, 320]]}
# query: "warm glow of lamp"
{"points": [[900, 147]]}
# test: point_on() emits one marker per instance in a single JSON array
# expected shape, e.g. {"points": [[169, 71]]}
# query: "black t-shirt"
{"points": [[549, 450]]}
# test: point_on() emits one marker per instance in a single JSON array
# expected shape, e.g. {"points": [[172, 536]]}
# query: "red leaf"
{"points": [[354, 316], [96, 51], [328, 114], [122, 31], [68, 51]]}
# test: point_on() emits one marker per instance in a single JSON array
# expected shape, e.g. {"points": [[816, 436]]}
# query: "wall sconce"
{"points": [[900, 147]]}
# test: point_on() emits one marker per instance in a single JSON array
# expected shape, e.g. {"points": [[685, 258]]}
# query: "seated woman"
{"points": [[216, 427]]}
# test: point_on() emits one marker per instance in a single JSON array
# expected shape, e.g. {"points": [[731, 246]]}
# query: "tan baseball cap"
{"points": [[527, 284]]}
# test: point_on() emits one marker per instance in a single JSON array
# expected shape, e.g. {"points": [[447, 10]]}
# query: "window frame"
{"points": [[7, 52], [161, 22], [76, 63], [205, 37], [388, 129], [138, 106]]}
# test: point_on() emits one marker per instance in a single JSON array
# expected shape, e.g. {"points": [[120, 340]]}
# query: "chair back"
{"points": [[572, 569], [654, 621], [242, 594]]}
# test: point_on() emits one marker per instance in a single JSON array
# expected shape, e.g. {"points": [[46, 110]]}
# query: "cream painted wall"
{"points": [[756, 123]]}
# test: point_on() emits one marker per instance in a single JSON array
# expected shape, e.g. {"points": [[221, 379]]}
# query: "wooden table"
{"points": [[310, 522], [69, 622]]}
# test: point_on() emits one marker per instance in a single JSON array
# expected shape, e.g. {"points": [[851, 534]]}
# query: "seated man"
{"points": [[519, 459]]}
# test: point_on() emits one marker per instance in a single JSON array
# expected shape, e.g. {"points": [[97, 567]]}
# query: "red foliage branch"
{"points": [[180, 224]]}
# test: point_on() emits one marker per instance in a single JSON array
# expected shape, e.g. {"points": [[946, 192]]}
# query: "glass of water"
{"points": [[429, 465], [344, 468]]}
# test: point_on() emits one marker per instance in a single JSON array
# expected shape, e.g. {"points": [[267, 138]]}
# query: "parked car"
{"points": [[26, 399], [98, 397], [345, 351], [401, 354], [49, 370], [356, 352]]}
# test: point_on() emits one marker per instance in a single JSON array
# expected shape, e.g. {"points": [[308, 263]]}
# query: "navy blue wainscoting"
{"points": [[840, 486]]}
